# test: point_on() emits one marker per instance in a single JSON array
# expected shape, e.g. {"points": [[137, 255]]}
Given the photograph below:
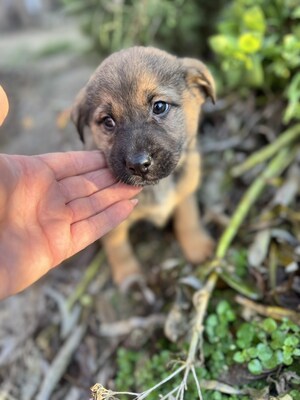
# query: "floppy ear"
{"points": [[198, 75], [80, 113]]}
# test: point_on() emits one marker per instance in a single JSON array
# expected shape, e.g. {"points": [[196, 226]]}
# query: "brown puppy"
{"points": [[142, 106]]}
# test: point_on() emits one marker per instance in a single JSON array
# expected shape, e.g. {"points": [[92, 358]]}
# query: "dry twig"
{"points": [[201, 298], [285, 139], [125, 327], [60, 363], [278, 313]]}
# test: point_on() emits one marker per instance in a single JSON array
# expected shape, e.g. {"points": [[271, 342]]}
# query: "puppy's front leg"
{"points": [[125, 267], [195, 242]]}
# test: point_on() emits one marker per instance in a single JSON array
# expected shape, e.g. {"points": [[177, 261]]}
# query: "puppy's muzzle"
{"points": [[139, 164]]}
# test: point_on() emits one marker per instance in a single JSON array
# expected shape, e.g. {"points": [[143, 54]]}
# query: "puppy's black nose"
{"points": [[139, 164]]}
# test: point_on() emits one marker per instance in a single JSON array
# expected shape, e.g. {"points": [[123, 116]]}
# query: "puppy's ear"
{"points": [[80, 113], [198, 75]]}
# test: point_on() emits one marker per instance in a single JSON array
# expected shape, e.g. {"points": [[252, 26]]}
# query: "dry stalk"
{"points": [[278, 313], [60, 363], [201, 298], [285, 139]]}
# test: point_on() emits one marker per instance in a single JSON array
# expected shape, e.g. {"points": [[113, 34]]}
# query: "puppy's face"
{"points": [[142, 107]]}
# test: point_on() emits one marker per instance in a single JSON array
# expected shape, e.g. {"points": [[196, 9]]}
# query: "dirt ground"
{"points": [[41, 70]]}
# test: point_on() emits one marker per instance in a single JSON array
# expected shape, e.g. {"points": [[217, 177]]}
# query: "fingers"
{"points": [[73, 162], [84, 185], [4, 105], [85, 207], [87, 231], [5, 283]]}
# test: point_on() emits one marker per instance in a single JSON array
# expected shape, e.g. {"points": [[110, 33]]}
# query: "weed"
{"points": [[257, 346]]}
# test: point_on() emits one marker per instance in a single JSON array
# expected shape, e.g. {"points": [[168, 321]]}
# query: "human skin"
{"points": [[51, 207], [4, 105]]}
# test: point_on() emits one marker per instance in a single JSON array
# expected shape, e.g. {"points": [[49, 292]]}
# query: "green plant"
{"points": [[178, 25], [267, 345], [141, 372], [220, 340], [261, 346], [258, 45]]}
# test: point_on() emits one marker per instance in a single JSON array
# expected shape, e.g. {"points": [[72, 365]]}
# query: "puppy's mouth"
{"points": [[141, 169], [134, 180]]}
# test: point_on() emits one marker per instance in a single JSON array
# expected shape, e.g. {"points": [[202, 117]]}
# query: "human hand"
{"points": [[51, 207]]}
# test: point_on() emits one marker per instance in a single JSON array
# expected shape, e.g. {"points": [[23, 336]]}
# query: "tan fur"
{"points": [[173, 195]]}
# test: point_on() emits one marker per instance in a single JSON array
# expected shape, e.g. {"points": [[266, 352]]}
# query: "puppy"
{"points": [[142, 107]]}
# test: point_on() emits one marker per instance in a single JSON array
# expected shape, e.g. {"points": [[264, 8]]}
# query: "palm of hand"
{"points": [[38, 216], [52, 206]]}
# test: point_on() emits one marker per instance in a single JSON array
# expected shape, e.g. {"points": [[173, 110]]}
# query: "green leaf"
{"points": [[245, 335], [271, 363], [254, 19], [255, 76], [269, 325], [218, 356], [296, 13], [295, 394], [252, 352], [264, 352], [239, 357], [287, 359], [255, 367], [291, 341], [280, 69], [296, 352], [217, 396], [290, 43], [222, 307], [240, 285], [289, 325], [246, 330], [262, 336], [279, 356], [222, 330], [223, 44], [293, 95], [239, 259], [230, 315], [278, 338], [212, 320]]}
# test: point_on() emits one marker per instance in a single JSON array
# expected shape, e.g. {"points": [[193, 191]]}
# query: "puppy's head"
{"points": [[142, 106]]}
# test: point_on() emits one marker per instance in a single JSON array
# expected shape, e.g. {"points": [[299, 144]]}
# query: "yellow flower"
{"points": [[249, 43]]}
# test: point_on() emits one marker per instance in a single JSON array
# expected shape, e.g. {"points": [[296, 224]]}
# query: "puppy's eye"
{"points": [[109, 123], [160, 107]]}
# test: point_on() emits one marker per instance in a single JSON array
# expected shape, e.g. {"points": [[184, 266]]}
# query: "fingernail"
{"points": [[134, 201]]}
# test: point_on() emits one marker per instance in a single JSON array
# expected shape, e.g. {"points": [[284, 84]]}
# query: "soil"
{"points": [[42, 70]]}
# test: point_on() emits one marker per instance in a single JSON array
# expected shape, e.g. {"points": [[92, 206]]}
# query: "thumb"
{"points": [[4, 106]]}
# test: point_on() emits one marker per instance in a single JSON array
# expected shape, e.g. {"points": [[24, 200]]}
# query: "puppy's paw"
{"points": [[199, 247]]}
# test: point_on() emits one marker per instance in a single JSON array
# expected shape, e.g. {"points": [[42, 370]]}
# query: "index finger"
{"points": [[4, 105], [73, 163]]}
